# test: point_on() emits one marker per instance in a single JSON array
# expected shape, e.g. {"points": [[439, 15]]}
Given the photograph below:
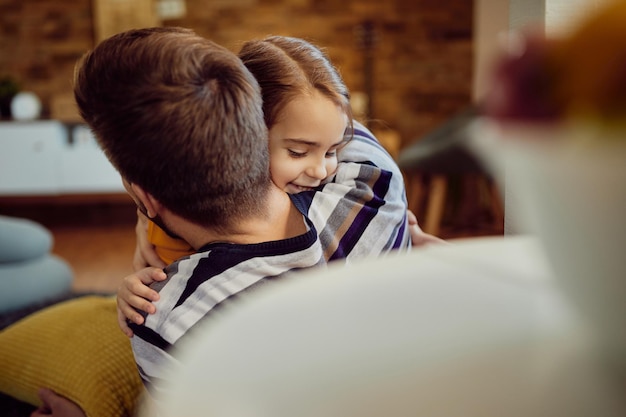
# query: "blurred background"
{"points": [[408, 64]]}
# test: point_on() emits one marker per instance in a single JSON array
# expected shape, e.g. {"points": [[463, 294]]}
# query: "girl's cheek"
{"points": [[331, 167]]}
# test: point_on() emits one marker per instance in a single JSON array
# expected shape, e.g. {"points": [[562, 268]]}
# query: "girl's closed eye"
{"points": [[296, 154]]}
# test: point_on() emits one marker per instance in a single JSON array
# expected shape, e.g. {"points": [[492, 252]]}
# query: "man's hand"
{"points": [[134, 293]]}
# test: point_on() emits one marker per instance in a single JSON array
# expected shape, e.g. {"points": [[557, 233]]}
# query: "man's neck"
{"points": [[279, 220]]}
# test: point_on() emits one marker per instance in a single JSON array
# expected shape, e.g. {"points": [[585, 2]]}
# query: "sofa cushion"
{"points": [[29, 282], [76, 349], [22, 239]]}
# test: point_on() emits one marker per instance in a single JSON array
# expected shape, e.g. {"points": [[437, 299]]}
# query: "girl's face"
{"points": [[304, 141]]}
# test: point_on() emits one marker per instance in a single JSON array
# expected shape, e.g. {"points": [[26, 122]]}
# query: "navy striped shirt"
{"points": [[359, 212]]}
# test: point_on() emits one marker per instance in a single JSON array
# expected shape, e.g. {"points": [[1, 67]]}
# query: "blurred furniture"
{"points": [[48, 157], [431, 162], [475, 328], [29, 273], [75, 348]]}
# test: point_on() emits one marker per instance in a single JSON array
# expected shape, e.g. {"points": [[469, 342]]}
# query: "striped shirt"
{"points": [[359, 212]]}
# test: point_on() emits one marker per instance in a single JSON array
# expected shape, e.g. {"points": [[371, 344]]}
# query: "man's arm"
{"points": [[151, 355]]}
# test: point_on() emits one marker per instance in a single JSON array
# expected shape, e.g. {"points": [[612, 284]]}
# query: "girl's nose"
{"points": [[317, 171]]}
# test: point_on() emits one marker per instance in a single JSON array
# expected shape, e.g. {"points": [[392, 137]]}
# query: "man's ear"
{"points": [[151, 204]]}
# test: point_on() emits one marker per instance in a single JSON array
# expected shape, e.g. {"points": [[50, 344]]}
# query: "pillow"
{"points": [[77, 349], [22, 239], [26, 283]]}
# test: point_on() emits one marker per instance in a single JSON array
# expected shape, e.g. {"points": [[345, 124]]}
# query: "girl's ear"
{"points": [[151, 204]]}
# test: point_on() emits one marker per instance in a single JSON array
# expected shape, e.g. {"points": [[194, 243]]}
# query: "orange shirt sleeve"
{"points": [[168, 248]]}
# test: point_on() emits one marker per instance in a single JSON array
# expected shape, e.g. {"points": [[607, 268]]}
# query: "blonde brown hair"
{"points": [[181, 117], [286, 67]]}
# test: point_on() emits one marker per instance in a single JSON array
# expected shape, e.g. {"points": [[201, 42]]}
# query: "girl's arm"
{"points": [[135, 294]]}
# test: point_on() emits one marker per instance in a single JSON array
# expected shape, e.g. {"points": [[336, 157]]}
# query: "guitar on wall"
{"points": [[367, 38]]}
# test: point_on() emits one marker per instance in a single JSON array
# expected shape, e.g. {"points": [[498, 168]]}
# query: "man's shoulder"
{"points": [[197, 284]]}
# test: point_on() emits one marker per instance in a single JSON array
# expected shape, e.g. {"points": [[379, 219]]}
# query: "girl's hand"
{"points": [[418, 236], [145, 254], [134, 293], [54, 405]]}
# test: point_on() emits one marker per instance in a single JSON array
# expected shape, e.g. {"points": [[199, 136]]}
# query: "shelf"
{"points": [[51, 158]]}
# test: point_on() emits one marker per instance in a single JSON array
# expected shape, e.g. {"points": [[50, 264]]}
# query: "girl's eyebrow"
{"points": [[314, 144], [301, 142]]}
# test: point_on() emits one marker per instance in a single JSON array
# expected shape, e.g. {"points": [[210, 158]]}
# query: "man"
{"points": [[181, 119]]}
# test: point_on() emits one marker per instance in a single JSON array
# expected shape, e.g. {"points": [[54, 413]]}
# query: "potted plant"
{"points": [[8, 89]]}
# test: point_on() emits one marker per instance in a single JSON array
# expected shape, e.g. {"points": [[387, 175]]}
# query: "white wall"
{"points": [[562, 15], [491, 18]]}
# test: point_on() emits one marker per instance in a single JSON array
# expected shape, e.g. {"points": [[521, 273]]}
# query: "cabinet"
{"points": [[49, 157]]}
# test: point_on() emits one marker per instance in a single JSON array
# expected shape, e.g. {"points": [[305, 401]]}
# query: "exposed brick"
{"points": [[422, 50]]}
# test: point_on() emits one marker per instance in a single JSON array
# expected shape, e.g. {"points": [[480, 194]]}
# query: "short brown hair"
{"points": [[181, 117], [288, 67]]}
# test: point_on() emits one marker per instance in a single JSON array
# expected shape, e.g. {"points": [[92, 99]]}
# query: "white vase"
{"points": [[25, 106]]}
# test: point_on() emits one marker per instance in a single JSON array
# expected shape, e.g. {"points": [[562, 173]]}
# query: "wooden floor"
{"points": [[97, 238], [99, 255]]}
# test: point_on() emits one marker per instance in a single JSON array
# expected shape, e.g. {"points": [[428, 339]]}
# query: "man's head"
{"points": [[180, 117]]}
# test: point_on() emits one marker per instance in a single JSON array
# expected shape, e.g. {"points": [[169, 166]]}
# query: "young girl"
{"points": [[298, 84]]}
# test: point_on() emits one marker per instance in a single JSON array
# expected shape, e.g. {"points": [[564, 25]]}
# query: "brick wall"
{"points": [[421, 54]]}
